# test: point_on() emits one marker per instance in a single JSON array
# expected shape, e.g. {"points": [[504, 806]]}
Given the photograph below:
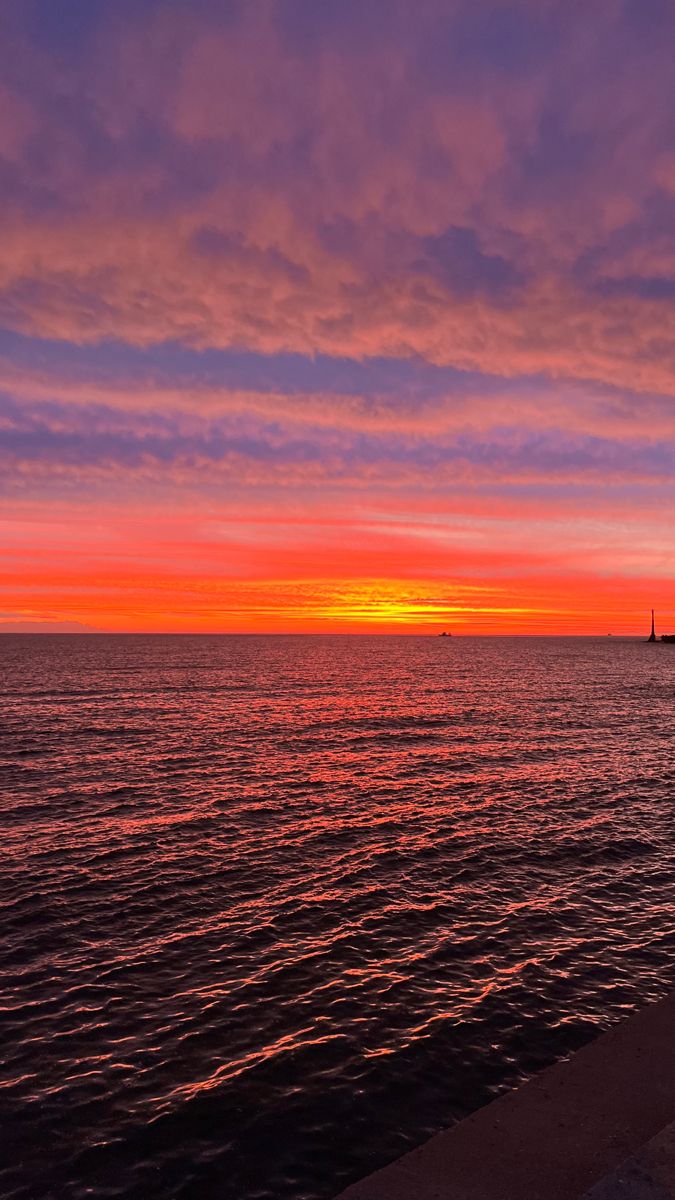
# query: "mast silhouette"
{"points": [[652, 636]]}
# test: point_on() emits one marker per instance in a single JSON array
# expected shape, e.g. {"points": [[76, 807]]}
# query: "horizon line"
{"points": [[294, 633]]}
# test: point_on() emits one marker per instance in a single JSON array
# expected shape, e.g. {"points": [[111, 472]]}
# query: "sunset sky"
{"points": [[335, 315]]}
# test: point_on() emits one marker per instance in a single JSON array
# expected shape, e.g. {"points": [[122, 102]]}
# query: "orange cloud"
{"points": [[457, 220], [198, 570]]}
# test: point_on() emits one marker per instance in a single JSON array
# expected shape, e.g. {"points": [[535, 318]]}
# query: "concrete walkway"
{"points": [[647, 1175], [592, 1127]]}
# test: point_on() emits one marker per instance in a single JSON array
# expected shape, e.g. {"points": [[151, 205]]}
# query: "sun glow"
{"points": [[333, 333], [141, 600]]}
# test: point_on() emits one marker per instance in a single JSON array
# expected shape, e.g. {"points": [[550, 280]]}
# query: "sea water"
{"points": [[275, 909]]}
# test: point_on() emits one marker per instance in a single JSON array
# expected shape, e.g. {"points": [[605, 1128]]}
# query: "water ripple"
{"points": [[276, 909]]}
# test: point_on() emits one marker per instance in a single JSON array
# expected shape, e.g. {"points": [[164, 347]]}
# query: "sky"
{"points": [[337, 316]]}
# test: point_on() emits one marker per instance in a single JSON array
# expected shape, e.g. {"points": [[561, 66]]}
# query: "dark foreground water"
{"points": [[275, 909]]}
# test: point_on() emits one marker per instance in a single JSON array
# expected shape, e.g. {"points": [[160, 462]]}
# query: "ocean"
{"points": [[276, 909]]}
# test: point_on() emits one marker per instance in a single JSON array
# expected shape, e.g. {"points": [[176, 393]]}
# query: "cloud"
{"points": [[376, 396], [19, 626], [245, 448], [287, 180], [291, 288]]}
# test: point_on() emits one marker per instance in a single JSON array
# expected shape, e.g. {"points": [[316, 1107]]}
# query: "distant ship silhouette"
{"points": [[445, 634], [665, 637]]}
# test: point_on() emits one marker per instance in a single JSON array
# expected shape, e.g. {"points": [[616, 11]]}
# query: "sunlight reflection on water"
{"points": [[275, 909]]}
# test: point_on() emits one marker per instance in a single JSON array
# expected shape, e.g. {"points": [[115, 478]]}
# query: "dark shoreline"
{"points": [[601, 1120]]}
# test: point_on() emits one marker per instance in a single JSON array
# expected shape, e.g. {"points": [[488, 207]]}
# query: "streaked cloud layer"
{"points": [[306, 305]]}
